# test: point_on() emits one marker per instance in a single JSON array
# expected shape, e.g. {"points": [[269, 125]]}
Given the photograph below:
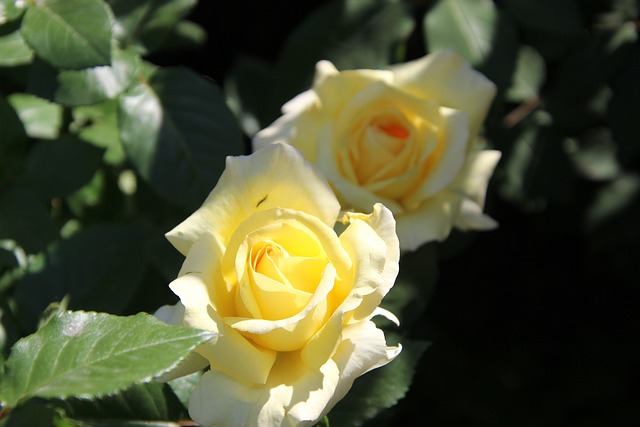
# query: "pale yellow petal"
{"points": [[447, 77], [431, 221], [266, 179]]}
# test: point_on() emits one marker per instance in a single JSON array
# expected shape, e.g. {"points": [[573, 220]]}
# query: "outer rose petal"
{"points": [[243, 190], [446, 76], [433, 220], [473, 184], [294, 395]]}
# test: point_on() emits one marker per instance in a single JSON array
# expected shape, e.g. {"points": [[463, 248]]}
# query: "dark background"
{"points": [[532, 324]]}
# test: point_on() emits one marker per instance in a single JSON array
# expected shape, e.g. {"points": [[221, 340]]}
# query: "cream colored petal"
{"points": [[363, 348], [473, 183], [373, 244], [433, 220], [352, 195], [170, 314], [452, 157], [230, 351], [276, 176], [299, 113], [220, 400], [293, 396], [447, 77], [471, 217], [474, 180]]}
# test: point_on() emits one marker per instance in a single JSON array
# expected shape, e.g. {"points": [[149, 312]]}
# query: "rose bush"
{"points": [[290, 300], [405, 137]]}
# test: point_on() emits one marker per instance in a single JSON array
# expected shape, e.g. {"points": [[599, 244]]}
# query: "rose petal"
{"points": [[431, 221], [293, 396], [447, 77], [243, 190]]}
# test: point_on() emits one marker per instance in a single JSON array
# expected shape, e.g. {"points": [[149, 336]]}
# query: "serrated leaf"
{"points": [[41, 118], [70, 34], [97, 84], [57, 168], [87, 354], [14, 50], [379, 389], [100, 268], [177, 130]]}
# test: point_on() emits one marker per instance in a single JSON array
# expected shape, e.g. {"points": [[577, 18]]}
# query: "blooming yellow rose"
{"points": [[290, 300], [404, 137]]}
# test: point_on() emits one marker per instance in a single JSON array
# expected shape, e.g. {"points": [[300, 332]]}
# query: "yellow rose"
{"points": [[404, 137], [290, 300]]}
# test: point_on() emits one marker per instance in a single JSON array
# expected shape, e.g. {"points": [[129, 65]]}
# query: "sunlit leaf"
{"points": [[70, 34], [466, 26], [41, 118], [93, 85], [11, 9], [86, 354], [479, 31], [14, 50], [528, 77], [98, 125], [178, 130], [148, 24]]}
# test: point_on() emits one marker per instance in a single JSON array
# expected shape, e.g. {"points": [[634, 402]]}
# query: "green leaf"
{"points": [[148, 24], [57, 168], [11, 9], [41, 118], [14, 50], [26, 220], [97, 84], [593, 154], [13, 142], [87, 354], [466, 26], [99, 267], [379, 389], [477, 30], [98, 125], [146, 401], [177, 130], [36, 413], [71, 34], [529, 75]]}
